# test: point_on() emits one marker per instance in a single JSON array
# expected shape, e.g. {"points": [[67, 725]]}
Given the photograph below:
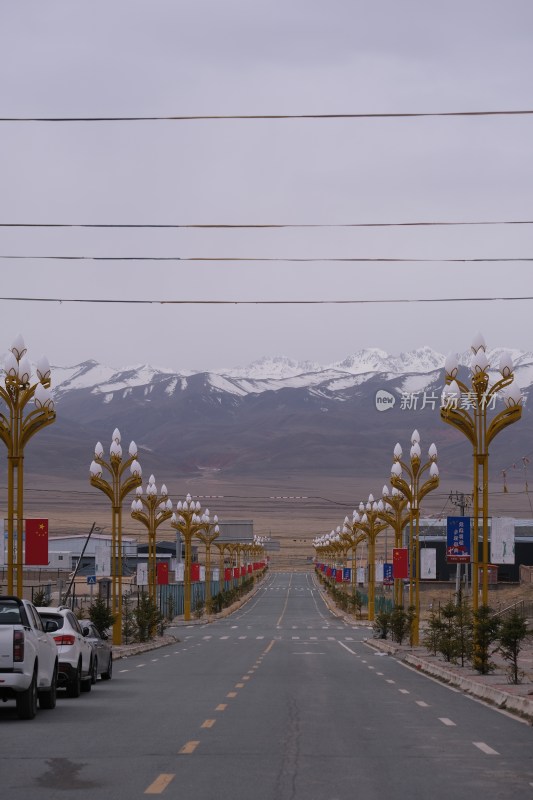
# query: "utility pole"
{"points": [[462, 501]]}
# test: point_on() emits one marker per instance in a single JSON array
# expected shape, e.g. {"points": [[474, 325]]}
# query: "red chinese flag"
{"points": [[36, 542], [400, 563], [195, 572], [162, 574]]}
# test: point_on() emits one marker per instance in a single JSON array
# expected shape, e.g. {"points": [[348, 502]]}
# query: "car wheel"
{"points": [[47, 699], [106, 676], [27, 700], [87, 681], [94, 672], [74, 685]]}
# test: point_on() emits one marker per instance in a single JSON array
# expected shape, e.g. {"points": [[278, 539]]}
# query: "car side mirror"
{"points": [[50, 626], [86, 630]]}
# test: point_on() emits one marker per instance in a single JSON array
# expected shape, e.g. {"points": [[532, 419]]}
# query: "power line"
{"points": [[275, 259], [260, 226], [272, 117], [234, 302]]}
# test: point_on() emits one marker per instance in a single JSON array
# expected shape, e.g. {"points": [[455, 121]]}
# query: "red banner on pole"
{"points": [[162, 574], [400, 563], [36, 542], [338, 576], [227, 573], [236, 572], [195, 572]]}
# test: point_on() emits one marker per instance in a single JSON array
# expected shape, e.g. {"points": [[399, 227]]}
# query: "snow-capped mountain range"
{"points": [[420, 367], [276, 415]]}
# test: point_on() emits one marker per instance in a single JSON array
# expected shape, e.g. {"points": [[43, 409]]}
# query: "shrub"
{"points": [[101, 616], [513, 631], [486, 629]]}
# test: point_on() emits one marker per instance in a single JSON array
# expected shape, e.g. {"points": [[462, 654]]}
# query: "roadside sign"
{"points": [[458, 540], [91, 580]]}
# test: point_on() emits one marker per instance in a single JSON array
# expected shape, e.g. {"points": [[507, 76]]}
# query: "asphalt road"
{"points": [[280, 701]]}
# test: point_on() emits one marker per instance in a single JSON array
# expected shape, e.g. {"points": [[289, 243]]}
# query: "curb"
{"points": [[517, 704]]}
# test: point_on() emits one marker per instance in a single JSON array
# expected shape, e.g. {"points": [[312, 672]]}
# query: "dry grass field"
{"points": [[291, 509]]}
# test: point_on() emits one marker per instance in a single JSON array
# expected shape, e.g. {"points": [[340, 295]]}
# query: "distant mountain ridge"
{"points": [[276, 415]]}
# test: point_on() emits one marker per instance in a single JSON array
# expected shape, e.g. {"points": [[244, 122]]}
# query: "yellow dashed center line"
{"points": [[160, 784], [245, 678], [231, 694], [189, 747], [208, 723], [239, 685], [270, 646], [221, 707]]}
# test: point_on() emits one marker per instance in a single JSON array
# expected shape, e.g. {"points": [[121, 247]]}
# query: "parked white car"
{"points": [[76, 663], [28, 658]]}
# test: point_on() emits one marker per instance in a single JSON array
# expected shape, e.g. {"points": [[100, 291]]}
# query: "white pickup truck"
{"points": [[28, 658]]}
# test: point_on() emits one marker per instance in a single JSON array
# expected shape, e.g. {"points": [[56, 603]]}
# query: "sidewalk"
{"points": [[493, 688]]}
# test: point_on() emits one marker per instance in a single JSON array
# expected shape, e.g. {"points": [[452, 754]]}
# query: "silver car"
{"points": [[102, 651]]}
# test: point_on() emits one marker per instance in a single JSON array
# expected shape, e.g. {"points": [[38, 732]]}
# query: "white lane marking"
{"points": [[140, 665], [313, 638], [448, 722], [259, 637], [234, 626], [243, 637], [347, 648], [403, 691], [123, 670], [308, 653], [295, 637], [486, 749], [421, 704], [155, 659], [207, 637], [331, 638], [348, 639], [224, 637], [380, 673], [389, 680], [370, 666]]}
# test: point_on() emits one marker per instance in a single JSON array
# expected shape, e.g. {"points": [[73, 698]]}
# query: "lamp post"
{"points": [[465, 408], [117, 487], [208, 536], [414, 490], [353, 536], [393, 509], [368, 523], [16, 429], [188, 522], [151, 511]]}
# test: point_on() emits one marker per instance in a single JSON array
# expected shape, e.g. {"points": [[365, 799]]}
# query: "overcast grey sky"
{"points": [[222, 57]]}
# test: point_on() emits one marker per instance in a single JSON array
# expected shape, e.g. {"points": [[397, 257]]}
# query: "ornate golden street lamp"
{"points": [[188, 522], [414, 490], [117, 487], [16, 429], [394, 510], [368, 522], [151, 511], [465, 408], [207, 536]]}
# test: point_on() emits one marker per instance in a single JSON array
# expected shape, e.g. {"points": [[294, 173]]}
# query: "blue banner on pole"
{"points": [[458, 540], [387, 575], [346, 574]]}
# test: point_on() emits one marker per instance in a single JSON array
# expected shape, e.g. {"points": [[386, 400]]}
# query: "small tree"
{"points": [[129, 626], [382, 624], [40, 597], [101, 616], [400, 623], [448, 644], [147, 617], [513, 631], [486, 629], [433, 634]]}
